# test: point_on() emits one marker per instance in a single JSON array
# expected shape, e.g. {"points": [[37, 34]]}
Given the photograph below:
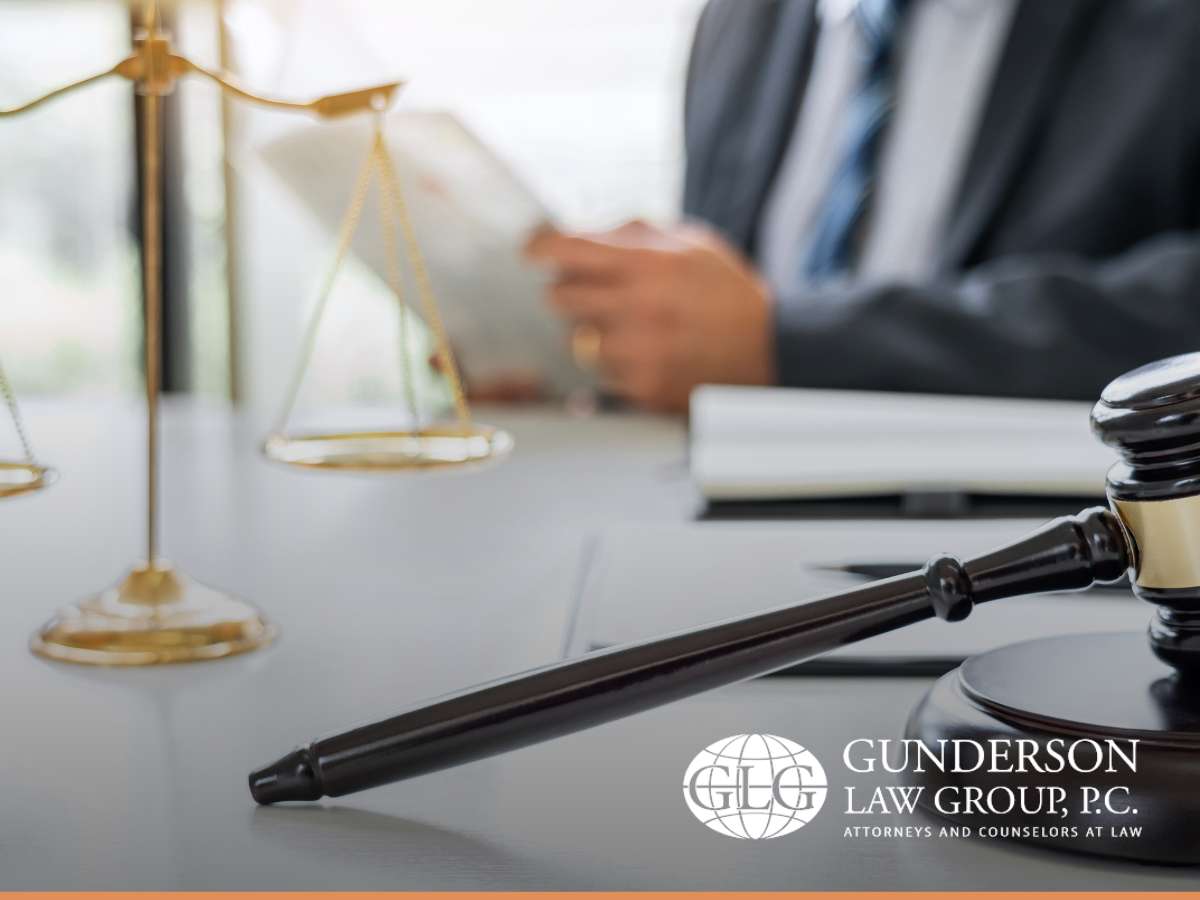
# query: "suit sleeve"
{"points": [[1026, 326]]}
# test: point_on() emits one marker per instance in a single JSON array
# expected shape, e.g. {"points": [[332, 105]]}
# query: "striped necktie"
{"points": [[839, 220]]}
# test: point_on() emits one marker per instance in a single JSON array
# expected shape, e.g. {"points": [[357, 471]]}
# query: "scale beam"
{"points": [[331, 106], [154, 68]]}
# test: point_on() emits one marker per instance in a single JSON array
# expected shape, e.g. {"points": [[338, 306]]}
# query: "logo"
{"points": [[754, 786]]}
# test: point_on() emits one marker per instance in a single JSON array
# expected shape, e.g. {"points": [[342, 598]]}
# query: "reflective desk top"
{"points": [[391, 590]]}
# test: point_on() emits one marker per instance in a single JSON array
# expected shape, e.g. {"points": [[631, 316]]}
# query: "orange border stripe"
{"points": [[589, 895]]}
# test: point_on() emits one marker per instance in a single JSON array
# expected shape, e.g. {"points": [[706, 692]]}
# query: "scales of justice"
{"points": [[157, 614]]}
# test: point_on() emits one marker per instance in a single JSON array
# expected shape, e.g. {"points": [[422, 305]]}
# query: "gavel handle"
{"points": [[1069, 553]]}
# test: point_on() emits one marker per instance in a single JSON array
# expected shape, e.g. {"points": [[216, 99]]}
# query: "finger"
{"points": [[637, 301], [581, 300], [540, 235], [639, 386], [586, 339], [611, 352], [587, 255], [635, 363], [625, 356], [635, 232]]}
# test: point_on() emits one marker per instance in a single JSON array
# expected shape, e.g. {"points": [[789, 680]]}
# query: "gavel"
{"points": [[1151, 530]]}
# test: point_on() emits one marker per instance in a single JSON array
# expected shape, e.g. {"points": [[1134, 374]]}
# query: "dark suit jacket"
{"points": [[1072, 253]]}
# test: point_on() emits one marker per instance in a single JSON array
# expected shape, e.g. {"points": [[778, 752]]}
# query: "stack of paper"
{"points": [[472, 214], [782, 443]]}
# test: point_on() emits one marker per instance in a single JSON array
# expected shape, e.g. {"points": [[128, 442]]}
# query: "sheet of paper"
{"points": [[781, 443], [472, 213], [646, 581]]}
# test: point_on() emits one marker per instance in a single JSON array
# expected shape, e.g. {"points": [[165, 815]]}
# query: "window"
{"points": [[69, 316], [70, 322], [584, 98]]}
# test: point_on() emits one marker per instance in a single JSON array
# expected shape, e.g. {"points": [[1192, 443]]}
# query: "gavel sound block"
{"points": [[1101, 687], [1109, 686]]}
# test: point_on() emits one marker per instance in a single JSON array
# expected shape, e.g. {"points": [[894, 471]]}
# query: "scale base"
{"points": [[154, 616], [1080, 687]]}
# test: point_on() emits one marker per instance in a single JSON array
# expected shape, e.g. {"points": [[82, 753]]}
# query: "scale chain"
{"points": [[14, 412], [388, 227], [392, 201], [393, 193], [346, 234]]}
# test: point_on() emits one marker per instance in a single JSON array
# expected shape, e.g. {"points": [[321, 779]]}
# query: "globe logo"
{"points": [[754, 786]]}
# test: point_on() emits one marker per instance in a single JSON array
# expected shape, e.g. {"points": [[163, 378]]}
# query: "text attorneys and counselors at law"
{"points": [[975, 196]]}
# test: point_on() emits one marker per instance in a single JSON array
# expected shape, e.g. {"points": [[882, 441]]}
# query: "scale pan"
{"points": [[391, 451], [23, 478]]}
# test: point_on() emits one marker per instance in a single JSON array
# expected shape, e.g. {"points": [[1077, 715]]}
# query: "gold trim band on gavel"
{"points": [[1166, 534]]}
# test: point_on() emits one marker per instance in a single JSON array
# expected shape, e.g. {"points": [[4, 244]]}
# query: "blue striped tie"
{"points": [[835, 236]]}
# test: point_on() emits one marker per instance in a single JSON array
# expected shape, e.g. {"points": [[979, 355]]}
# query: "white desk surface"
{"points": [[390, 591]]}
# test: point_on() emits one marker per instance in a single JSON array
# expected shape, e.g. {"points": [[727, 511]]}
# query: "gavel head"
{"points": [[1151, 416]]}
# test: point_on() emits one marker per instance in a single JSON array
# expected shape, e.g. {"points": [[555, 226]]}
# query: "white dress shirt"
{"points": [[948, 54]]}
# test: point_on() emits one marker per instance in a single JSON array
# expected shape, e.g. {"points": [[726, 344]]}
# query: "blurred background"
{"points": [[600, 142]]}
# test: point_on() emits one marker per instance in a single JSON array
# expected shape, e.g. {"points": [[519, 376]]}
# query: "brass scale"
{"points": [[157, 614]]}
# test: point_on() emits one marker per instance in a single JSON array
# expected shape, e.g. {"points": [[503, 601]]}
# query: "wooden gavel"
{"points": [[1151, 416]]}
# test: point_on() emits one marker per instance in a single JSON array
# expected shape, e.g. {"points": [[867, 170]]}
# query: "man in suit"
{"points": [[971, 196]]}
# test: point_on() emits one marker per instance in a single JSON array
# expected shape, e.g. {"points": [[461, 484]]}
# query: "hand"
{"points": [[663, 310]]}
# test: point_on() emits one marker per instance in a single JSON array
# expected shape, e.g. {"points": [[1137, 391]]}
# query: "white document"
{"points": [[472, 215], [785, 443], [648, 581]]}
